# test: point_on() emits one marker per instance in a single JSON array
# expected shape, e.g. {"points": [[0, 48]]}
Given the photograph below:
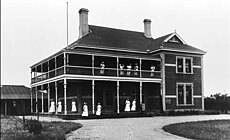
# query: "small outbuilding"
{"points": [[15, 100]]}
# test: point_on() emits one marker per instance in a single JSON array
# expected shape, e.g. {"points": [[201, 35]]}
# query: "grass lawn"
{"points": [[203, 130], [12, 128]]}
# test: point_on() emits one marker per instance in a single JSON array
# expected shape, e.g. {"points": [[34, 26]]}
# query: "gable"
{"points": [[175, 38]]}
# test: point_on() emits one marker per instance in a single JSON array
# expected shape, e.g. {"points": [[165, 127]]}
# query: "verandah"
{"points": [[111, 94]]}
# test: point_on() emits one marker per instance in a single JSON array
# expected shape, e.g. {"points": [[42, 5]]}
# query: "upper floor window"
{"points": [[184, 65], [184, 94]]}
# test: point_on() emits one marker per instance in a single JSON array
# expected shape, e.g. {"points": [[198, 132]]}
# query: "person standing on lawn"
{"points": [[98, 112], [85, 110]]}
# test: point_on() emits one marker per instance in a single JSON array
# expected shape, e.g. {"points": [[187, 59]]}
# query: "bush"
{"points": [[34, 126]]}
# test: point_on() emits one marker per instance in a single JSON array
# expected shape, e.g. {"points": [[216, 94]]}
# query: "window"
{"points": [[188, 65], [184, 65], [180, 65], [184, 94]]}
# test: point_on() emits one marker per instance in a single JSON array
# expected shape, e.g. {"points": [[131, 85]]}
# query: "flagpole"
{"points": [[67, 24]]}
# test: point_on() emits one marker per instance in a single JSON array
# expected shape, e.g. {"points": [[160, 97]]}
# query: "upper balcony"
{"points": [[94, 65]]}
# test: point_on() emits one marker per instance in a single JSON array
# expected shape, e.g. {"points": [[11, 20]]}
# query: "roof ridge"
{"points": [[118, 29]]}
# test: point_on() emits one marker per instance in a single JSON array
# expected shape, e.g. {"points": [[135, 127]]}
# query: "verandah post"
{"points": [[141, 94], [118, 87], [48, 92], [65, 103], [36, 91], [93, 86], [56, 88], [42, 99], [31, 101], [64, 58]]}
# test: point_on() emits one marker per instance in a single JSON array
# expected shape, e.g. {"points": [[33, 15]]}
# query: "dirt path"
{"points": [[133, 128], [147, 128]]}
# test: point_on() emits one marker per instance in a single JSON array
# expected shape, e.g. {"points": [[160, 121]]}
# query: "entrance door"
{"points": [[108, 97], [105, 94]]}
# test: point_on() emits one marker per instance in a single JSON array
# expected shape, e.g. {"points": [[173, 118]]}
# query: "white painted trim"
{"points": [[118, 101], [184, 110], [174, 50], [170, 96], [183, 54], [195, 66], [202, 81], [170, 65], [184, 64], [102, 78], [163, 81], [197, 96], [174, 34], [108, 78]]}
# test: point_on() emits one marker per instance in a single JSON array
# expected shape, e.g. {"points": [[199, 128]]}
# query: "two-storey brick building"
{"points": [[110, 65]]}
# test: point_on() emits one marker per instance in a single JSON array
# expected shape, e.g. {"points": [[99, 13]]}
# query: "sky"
{"points": [[32, 30]]}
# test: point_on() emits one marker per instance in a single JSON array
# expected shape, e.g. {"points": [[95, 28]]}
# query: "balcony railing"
{"points": [[97, 71], [47, 75]]}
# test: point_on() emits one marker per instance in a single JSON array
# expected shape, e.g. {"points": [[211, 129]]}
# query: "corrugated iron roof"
{"points": [[16, 92]]}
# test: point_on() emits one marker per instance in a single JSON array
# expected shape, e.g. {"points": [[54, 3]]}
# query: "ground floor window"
{"points": [[184, 93]]}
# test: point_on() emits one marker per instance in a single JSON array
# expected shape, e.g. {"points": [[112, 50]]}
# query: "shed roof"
{"points": [[15, 92]]}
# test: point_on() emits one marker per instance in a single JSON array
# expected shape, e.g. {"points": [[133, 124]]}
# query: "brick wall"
{"points": [[172, 78]]}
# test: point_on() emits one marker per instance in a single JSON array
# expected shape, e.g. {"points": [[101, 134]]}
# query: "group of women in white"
{"points": [[85, 110], [74, 108], [127, 105], [85, 113], [59, 107]]}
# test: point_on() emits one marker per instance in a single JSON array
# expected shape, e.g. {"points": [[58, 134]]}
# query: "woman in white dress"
{"points": [[52, 107], [74, 108], [59, 109], [152, 70], [127, 105], [133, 108], [102, 70], [98, 112], [85, 110], [129, 67]]}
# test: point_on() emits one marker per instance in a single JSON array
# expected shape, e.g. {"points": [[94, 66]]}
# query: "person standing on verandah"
{"points": [[85, 110], [98, 112], [129, 67], [52, 107], [133, 108], [102, 70], [74, 108], [136, 68], [152, 70], [127, 105], [59, 109]]}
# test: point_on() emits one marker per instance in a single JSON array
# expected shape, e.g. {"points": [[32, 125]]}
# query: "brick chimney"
{"points": [[83, 22], [147, 28]]}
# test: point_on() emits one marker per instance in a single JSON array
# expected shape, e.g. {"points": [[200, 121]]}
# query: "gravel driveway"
{"points": [[147, 128]]}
